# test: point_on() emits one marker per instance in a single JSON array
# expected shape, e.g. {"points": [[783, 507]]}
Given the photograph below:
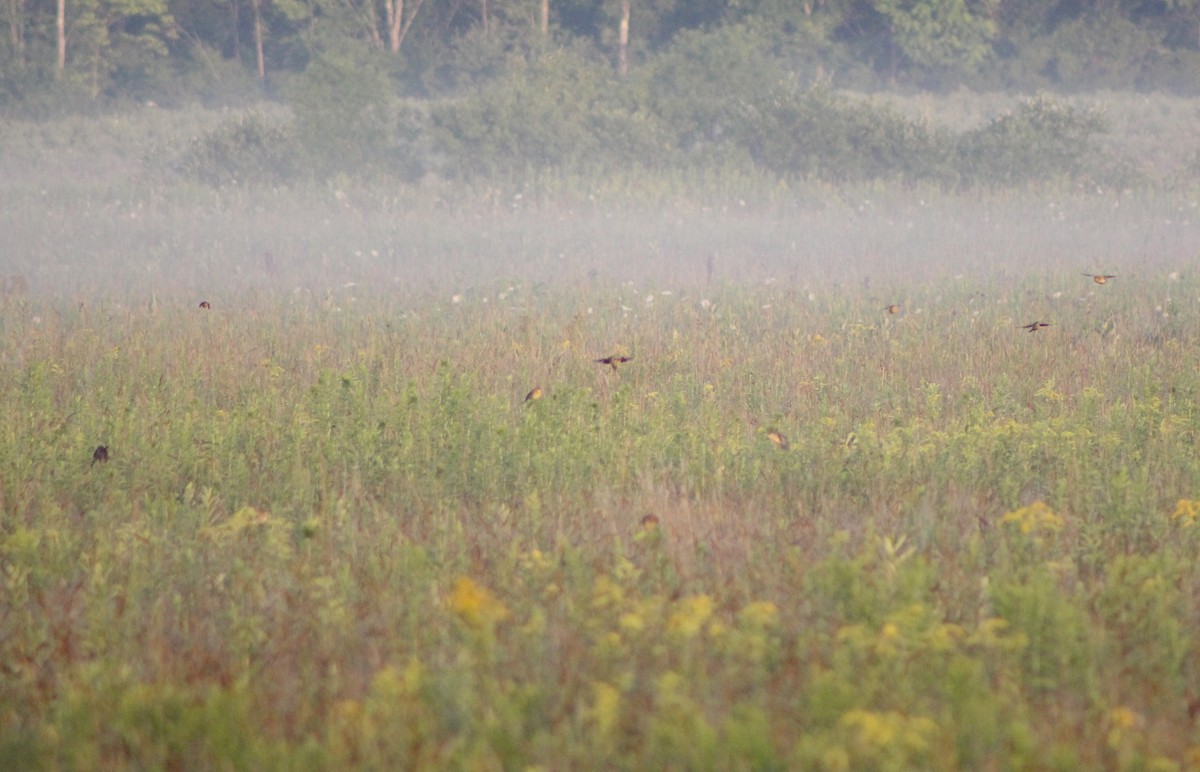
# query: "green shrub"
{"points": [[1061, 653], [704, 86], [557, 110], [1043, 139], [943, 40], [350, 121], [1099, 51], [814, 134], [248, 148]]}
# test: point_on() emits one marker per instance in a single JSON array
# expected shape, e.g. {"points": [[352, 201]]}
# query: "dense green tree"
{"points": [[114, 48], [557, 110], [939, 38], [100, 46]]}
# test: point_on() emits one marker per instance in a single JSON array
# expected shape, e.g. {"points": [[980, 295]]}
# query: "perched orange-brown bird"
{"points": [[1036, 326], [205, 304], [894, 308], [534, 393], [100, 454], [612, 361], [776, 437], [1101, 278]]}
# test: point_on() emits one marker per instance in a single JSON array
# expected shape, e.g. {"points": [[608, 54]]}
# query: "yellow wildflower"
{"points": [[1124, 727], [476, 605], [761, 614], [1037, 518], [691, 615], [880, 733], [632, 621], [1186, 512], [606, 706]]}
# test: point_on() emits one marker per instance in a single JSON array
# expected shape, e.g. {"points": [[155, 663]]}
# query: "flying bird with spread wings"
{"points": [[612, 361]]}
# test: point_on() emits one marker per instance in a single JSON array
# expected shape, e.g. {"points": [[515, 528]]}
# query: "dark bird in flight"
{"points": [[894, 308], [1101, 278], [534, 393], [1036, 326], [612, 361], [205, 304], [100, 454]]}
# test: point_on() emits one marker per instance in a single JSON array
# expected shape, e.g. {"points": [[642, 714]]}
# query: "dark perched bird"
{"points": [[205, 304], [100, 454], [1036, 326], [612, 361], [1101, 278], [777, 438], [534, 393], [894, 308]]}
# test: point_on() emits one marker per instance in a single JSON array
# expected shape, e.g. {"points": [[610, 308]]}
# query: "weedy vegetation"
{"points": [[836, 509]]}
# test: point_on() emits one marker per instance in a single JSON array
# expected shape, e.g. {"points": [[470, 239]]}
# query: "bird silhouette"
{"points": [[894, 308], [534, 393], [1035, 326], [612, 361], [205, 304], [1101, 278], [100, 454], [777, 438]]}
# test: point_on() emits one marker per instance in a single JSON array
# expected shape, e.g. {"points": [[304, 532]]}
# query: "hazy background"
{"points": [[184, 149]]}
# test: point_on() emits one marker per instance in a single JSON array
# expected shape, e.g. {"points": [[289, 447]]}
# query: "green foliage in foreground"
{"points": [[341, 538]]}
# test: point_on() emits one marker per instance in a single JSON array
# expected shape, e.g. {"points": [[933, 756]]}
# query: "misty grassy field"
{"points": [[793, 531]]}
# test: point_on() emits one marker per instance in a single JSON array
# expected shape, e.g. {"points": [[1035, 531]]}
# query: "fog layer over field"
{"points": [[95, 218]]}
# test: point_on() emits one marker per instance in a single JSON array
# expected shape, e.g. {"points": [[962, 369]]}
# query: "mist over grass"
{"points": [[99, 207], [794, 530]]}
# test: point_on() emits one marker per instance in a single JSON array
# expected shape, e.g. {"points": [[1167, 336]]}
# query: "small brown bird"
{"points": [[205, 304], [1101, 278], [1034, 327], [777, 438], [100, 454], [650, 521], [894, 308], [534, 393], [612, 361]]}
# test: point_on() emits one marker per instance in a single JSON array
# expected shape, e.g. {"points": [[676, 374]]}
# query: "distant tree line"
{"points": [[97, 51]]}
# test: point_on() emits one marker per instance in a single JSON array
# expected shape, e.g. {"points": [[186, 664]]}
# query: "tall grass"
{"points": [[332, 532], [294, 491]]}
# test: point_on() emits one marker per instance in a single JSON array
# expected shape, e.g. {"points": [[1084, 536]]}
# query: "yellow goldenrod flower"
{"points": [[606, 706], [1037, 518], [690, 616], [476, 605], [890, 733], [631, 621], [760, 614], [1186, 512]]}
